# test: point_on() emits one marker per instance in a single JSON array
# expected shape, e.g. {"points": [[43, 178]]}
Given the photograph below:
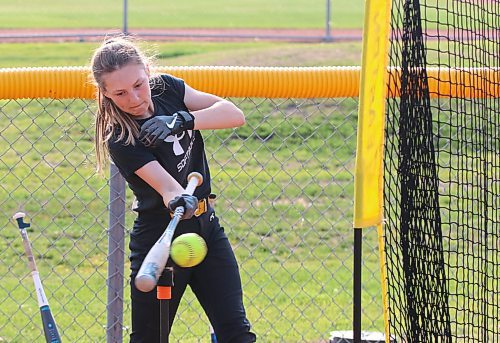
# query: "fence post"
{"points": [[125, 17], [328, 35], [116, 246]]}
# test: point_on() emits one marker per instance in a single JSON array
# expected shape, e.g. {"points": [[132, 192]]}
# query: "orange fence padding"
{"points": [[259, 82], [455, 82], [265, 82], [54, 83], [272, 82]]}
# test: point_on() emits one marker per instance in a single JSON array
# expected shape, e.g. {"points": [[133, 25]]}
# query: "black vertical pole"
{"points": [[164, 294], [358, 242]]}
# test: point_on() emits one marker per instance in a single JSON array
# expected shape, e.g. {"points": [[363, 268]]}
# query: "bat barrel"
{"points": [[146, 280]]}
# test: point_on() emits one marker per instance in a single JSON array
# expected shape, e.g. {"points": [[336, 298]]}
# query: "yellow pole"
{"points": [[368, 180]]}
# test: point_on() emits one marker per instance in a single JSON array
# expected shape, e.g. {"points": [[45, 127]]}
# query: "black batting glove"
{"points": [[156, 129], [189, 202]]}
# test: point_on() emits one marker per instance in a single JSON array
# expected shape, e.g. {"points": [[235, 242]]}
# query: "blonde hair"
{"points": [[114, 54]]}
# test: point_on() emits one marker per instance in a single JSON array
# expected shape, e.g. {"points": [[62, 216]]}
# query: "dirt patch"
{"points": [[68, 35]]}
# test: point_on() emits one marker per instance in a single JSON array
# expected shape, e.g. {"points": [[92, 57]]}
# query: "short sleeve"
{"points": [[176, 84], [129, 158]]}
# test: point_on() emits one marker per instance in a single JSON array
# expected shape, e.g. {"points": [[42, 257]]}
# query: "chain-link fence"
{"points": [[285, 195]]}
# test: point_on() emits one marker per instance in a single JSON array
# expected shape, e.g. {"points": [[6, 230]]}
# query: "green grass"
{"points": [[293, 242], [288, 215], [180, 14], [279, 173], [190, 54]]}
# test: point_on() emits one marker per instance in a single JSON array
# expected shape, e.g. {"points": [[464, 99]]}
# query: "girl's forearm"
{"points": [[221, 115]]}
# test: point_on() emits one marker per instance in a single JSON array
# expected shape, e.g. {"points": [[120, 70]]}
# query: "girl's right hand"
{"points": [[189, 202]]}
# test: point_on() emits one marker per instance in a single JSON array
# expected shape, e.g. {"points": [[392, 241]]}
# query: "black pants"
{"points": [[215, 282]]}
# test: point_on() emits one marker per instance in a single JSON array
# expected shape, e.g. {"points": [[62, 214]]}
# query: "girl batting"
{"points": [[149, 125]]}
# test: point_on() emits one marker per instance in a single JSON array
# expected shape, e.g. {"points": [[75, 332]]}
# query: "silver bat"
{"points": [[156, 259]]}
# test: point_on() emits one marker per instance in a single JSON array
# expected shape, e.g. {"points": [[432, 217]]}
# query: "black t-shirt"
{"points": [[179, 154]]}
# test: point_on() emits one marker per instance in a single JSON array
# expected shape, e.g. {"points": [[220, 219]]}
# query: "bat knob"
{"points": [[197, 176], [19, 215]]}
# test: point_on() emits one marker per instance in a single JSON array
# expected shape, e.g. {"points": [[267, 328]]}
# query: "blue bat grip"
{"points": [[49, 326]]}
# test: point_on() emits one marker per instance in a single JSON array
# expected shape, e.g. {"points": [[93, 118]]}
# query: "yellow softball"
{"points": [[188, 250]]}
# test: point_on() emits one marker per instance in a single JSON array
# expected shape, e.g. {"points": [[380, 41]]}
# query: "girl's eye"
{"points": [[138, 85]]}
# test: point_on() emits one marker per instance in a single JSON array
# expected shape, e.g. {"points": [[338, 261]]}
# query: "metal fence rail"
{"points": [[324, 34], [285, 196], [179, 34]]}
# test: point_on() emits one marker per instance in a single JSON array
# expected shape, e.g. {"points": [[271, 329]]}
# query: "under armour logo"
{"points": [[177, 148]]}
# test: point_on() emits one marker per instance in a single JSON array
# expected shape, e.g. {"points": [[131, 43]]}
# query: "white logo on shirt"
{"points": [[183, 163], [176, 146], [179, 150]]}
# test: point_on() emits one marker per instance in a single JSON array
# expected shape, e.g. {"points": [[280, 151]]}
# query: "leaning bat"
{"points": [[157, 257], [49, 325]]}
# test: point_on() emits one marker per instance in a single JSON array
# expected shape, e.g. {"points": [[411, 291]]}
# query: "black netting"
{"points": [[442, 172]]}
